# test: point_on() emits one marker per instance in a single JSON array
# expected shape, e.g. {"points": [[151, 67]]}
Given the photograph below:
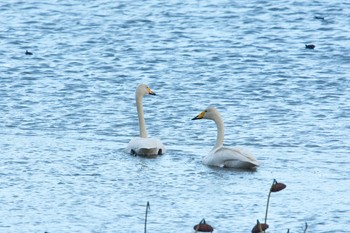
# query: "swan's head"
{"points": [[143, 89], [209, 113]]}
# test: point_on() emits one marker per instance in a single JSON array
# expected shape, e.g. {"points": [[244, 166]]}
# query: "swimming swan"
{"points": [[225, 156], [143, 145]]}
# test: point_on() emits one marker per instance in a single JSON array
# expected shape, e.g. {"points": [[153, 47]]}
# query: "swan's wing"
{"points": [[230, 157], [145, 147]]}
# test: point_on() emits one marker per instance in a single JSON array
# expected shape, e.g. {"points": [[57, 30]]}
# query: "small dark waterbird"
{"points": [[310, 46], [319, 17], [28, 53]]}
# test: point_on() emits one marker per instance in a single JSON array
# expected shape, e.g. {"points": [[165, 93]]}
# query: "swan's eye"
{"points": [[205, 110]]}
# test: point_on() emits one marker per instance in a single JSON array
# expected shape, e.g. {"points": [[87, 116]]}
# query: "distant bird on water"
{"points": [[310, 46], [319, 17], [28, 53]]}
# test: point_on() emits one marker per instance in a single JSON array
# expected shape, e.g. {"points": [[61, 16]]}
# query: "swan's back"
{"points": [[147, 147], [230, 157]]}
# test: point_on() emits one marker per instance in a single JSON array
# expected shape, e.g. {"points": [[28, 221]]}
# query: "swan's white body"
{"points": [[143, 145], [223, 156]]}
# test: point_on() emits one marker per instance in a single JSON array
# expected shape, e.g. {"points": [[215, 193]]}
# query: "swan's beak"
{"points": [[150, 92], [200, 116]]}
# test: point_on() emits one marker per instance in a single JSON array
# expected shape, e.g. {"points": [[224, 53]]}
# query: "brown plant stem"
{"points": [[267, 206], [268, 200], [147, 208]]}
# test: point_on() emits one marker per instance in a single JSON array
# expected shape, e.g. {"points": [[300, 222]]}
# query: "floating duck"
{"points": [[28, 53], [310, 46]]}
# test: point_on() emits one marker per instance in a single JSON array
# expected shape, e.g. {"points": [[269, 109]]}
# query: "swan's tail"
{"points": [[147, 152]]}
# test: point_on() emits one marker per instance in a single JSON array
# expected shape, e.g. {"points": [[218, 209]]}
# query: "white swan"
{"points": [[225, 156], [143, 145]]}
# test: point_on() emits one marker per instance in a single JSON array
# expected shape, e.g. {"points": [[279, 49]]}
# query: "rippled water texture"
{"points": [[68, 112]]}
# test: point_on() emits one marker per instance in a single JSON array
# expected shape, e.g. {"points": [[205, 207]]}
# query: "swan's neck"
{"points": [[142, 124], [220, 136]]}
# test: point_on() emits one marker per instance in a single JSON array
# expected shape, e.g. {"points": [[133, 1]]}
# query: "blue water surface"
{"points": [[68, 111]]}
